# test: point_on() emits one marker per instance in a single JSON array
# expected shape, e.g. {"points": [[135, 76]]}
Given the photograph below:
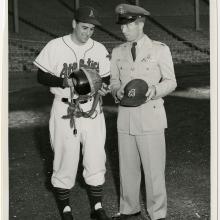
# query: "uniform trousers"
{"points": [[148, 149], [91, 134]]}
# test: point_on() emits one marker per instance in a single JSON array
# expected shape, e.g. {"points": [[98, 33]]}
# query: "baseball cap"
{"points": [[128, 13], [134, 93], [87, 14]]}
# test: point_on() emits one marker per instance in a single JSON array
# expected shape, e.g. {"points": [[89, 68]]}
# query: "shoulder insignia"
{"points": [[159, 43]]}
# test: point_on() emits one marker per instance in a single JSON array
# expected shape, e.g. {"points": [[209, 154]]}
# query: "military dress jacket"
{"points": [[154, 65]]}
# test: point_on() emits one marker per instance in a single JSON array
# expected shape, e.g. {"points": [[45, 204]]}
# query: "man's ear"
{"points": [[74, 23]]}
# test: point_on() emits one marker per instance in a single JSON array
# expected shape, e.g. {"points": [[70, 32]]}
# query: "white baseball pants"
{"points": [[66, 146]]}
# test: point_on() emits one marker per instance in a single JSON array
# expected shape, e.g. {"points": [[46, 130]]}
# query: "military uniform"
{"points": [[141, 129]]}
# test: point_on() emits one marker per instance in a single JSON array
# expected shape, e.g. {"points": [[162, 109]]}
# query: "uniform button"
{"points": [[132, 69], [154, 106]]}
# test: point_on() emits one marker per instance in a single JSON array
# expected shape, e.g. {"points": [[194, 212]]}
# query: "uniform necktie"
{"points": [[133, 50]]}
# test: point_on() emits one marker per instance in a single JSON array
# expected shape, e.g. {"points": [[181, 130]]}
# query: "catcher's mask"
{"points": [[86, 81]]}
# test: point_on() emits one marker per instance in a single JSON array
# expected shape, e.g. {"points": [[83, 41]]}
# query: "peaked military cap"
{"points": [[88, 15], [128, 13], [134, 93]]}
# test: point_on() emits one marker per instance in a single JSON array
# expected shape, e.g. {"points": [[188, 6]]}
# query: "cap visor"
{"points": [[90, 21], [125, 20], [128, 102], [122, 22], [96, 23]]}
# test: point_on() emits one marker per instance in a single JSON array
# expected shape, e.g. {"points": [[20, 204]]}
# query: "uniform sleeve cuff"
{"points": [[156, 92]]}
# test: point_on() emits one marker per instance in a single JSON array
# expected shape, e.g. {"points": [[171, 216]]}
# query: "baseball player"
{"points": [[141, 128], [57, 60]]}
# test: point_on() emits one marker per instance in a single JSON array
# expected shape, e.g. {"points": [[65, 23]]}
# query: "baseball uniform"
{"points": [[60, 57]]}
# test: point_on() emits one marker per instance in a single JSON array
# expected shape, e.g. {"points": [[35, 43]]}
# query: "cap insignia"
{"points": [[131, 93], [121, 10], [91, 13]]}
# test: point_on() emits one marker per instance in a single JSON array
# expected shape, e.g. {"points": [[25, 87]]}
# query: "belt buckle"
{"points": [[64, 100], [67, 100]]}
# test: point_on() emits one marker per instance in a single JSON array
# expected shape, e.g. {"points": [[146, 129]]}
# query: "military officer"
{"points": [[141, 137]]}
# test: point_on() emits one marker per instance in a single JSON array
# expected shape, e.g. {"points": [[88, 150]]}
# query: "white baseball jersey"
{"points": [[61, 56]]}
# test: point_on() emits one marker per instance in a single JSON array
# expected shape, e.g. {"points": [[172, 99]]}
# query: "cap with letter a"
{"points": [[88, 15], [134, 93]]}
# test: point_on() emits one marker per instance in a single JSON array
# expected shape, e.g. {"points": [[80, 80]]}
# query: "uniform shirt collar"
{"points": [[85, 46], [144, 40]]}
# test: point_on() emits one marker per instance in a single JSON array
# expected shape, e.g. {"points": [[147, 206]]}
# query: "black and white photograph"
{"points": [[109, 110]]}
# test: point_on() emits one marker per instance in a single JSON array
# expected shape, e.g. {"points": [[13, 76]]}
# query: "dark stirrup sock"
{"points": [[95, 195], [62, 196]]}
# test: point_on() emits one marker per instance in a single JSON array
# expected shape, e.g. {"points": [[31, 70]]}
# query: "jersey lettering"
{"points": [[69, 68]]}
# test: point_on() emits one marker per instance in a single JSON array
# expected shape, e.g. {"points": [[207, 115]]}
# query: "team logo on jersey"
{"points": [[91, 14], [131, 93]]}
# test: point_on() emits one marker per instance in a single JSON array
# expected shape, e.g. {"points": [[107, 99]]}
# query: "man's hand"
{"points": [[68, 82], [104, 90], [151, 93], [120, 93]]}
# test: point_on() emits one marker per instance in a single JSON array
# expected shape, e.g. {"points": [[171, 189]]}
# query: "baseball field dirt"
{"points": [[187, 167]]}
